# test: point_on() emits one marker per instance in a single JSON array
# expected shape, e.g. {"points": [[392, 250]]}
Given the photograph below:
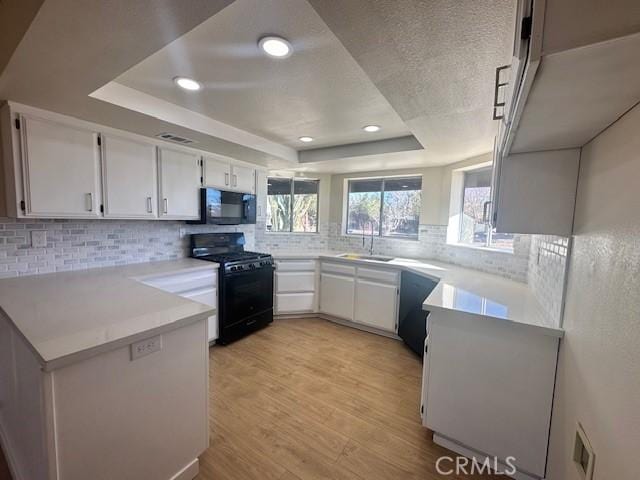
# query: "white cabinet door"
{"points": [[337, 295], [129, 178], [376, 304], [179, 174], [61, 169], [261, 195], [243, 179], [217, 173]]}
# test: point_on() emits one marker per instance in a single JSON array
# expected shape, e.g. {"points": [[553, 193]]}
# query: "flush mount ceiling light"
{"points": [[187, 83], [371, 128], [276, 47], [306, 139]]}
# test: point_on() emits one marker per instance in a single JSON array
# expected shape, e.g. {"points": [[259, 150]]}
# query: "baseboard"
{"points": [[340, 321], [471, 453], [8, 455], [189, 472]]}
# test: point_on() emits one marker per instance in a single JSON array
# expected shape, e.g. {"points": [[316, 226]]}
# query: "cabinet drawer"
{"points": [[295, 265], [295, 302], [386, 276], [295, 282], [338, 268]]}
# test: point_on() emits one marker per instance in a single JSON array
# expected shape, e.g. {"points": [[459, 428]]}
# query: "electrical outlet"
{"points": [[583, 454], [39, 238], [183, 232], [146, 347]]}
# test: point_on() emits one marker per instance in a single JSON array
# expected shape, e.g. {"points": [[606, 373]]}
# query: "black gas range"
{"points": [[245, 283]]}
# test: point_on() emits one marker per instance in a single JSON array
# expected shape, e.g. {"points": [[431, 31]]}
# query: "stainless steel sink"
{"points": [[358, 256]]}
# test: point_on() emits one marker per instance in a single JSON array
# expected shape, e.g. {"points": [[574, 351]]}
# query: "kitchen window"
{"points": [[476, 195], [292, 205], [384, 207]]}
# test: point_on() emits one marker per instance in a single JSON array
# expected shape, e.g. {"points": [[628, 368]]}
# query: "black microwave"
{"points": [[220, 207]]}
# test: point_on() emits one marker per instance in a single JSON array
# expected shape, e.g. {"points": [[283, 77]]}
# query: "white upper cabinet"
{"points": [[61, 168], [129, 178], [536, 192], [217, 173], [261, 195], [222, 174], [179, 173], [243, 179]]}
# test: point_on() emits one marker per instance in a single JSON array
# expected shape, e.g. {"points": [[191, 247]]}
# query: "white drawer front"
{"points": [[295, 282], [295, 265], [295, 302], [386, 276], [338, 268]]}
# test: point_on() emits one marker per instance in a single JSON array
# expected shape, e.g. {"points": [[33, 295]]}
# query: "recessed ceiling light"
{"points": [[306, 139], [371, 128], [277, 47], [187, 83]]}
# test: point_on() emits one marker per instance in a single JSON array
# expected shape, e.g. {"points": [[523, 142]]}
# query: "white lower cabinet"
{"points": [[376, 304], [337, 295], [488, 389], [295, 286]]}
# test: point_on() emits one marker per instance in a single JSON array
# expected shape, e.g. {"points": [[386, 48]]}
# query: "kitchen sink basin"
{"points": [[358, 256]]}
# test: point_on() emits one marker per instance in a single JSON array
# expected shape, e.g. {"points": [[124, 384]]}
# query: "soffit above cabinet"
{"points": [[578, 93]]}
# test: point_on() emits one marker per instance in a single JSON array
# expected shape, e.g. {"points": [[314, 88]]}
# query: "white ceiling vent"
{"points": [[170, 137]]}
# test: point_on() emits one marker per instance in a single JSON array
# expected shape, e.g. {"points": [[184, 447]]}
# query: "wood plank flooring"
{"points": [[306, 399]]}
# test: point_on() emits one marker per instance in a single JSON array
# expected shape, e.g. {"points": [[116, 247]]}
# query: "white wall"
{"points": [[598, 381]]}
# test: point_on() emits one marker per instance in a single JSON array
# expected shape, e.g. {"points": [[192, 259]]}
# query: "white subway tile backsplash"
{"points": [[82, 244]]}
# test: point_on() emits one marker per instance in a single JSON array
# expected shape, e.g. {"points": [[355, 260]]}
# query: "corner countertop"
{"points": [[70, 315], [462, 290]]}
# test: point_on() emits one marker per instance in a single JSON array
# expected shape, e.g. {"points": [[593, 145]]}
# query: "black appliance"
{"points": [[412, 322], [245, 283], [221, 207]]}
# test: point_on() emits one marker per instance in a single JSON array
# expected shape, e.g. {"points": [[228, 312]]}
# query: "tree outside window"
{"points": [[388, 207], [292, 205]]}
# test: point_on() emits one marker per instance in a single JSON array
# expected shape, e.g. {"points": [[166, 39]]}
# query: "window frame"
{"points": [[489, 238], [345, 230], [292, 181]]}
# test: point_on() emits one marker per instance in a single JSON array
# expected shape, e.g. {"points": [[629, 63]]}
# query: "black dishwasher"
{"points": [[412, 326]]}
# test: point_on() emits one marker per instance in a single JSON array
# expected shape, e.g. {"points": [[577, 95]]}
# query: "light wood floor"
{"points": [[308, 399]]}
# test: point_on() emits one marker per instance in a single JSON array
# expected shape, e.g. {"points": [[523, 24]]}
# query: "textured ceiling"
{"points": [[319, 91], [434, 61]]}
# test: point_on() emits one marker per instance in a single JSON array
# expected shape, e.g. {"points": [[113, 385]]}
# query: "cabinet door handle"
{"points": [[226, 179], [235, 180], [89, 201], [166, 206], [149, 205]]}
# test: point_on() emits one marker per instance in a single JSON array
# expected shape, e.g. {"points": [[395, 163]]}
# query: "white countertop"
{"points": [[64, 316], [463, 290]]}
